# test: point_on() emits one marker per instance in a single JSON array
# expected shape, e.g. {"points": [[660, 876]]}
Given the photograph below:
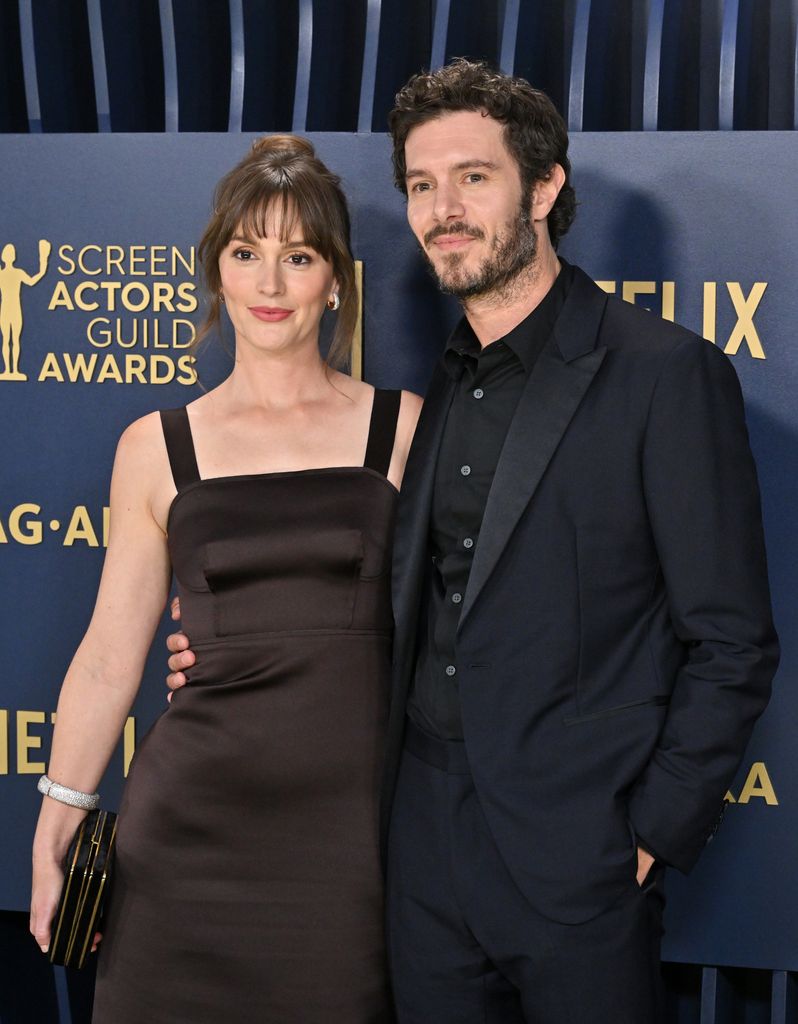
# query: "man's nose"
{"points": [[448, 203]]}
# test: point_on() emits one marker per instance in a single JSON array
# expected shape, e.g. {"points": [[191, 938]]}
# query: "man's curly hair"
{"points": [[534, 131]]}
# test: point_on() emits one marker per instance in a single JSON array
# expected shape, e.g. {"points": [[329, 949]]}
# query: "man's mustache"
{"points": [[458, 228]]}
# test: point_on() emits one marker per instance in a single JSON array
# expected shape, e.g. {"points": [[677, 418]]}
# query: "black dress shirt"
{"points": [[489, 384]]}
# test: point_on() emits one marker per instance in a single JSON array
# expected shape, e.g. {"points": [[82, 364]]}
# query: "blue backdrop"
{"points": [[697, 227]]}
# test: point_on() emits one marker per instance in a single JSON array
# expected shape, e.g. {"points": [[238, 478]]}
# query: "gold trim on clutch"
{"points": [[80, 884]]}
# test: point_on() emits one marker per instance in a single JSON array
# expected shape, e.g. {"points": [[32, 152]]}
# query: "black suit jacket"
{"points": [[615, 644]]}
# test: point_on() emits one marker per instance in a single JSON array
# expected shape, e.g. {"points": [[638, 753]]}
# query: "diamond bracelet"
{"points": [[65, 795]]}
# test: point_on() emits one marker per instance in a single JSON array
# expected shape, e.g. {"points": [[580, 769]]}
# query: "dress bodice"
{"points": [[283, 552]]}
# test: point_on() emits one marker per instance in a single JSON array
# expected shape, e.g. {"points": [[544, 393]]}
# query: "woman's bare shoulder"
{"points": [[142, 474], [142, 438]]}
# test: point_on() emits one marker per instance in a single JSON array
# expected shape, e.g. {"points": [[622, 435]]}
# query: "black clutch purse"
{"points": [[87, 871]]}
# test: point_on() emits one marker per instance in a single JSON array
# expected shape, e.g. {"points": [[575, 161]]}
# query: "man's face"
{"points": [[465, 204]]}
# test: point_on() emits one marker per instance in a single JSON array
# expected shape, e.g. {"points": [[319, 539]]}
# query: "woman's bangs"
{"points": [[256, 215]]}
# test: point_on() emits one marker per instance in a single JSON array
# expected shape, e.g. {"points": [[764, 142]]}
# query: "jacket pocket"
{"points": [[660, 701]]}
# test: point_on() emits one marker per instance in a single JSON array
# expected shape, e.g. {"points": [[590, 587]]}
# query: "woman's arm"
{"points": [[105, 672], [409, 412]]}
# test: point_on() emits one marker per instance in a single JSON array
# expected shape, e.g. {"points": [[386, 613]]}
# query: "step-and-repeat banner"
{"points": [[99, 299]]}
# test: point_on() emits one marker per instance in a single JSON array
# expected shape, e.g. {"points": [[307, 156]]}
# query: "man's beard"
{"points": [[513, 251]]}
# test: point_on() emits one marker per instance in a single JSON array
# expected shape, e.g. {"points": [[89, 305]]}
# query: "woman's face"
{"points": [[275, 291]]}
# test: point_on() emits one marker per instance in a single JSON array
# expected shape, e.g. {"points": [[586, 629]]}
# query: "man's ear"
{"points": [[545, 192]]}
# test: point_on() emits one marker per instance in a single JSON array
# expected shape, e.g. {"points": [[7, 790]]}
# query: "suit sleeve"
{"points": [[703, 504]]}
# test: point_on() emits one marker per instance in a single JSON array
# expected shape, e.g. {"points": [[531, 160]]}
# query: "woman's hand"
{"points": [[48, 878], [57, 825]]}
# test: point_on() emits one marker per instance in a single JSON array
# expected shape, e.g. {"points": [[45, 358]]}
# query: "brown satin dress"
{"points": [[248, 887]]}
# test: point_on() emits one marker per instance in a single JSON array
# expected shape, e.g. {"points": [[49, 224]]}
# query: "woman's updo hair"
{"points": [[281, 174]]}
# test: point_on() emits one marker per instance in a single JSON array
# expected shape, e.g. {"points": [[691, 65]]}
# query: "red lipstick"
{"points": [[270, 314]]}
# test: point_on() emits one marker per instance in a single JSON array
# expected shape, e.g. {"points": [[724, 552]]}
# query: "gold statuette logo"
{"points": [[12, 278]]}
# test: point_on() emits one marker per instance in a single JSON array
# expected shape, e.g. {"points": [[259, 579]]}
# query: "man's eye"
{"points": [[421, 186], [475, 177]]}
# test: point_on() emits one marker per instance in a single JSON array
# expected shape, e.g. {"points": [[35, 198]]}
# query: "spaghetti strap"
{"points": [[382, 430], [180, 446]]}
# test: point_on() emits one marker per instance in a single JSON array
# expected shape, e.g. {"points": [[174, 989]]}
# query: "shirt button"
{"points": [[478, 392], [465, 470], [468, 542], [450, 670], [457, 598]]}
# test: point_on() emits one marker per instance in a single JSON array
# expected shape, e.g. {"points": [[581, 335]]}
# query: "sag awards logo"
{"points": [[122, 310]]}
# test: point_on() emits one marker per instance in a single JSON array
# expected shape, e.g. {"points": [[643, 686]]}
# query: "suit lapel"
{"points": [[552, 395], [411, 538]]}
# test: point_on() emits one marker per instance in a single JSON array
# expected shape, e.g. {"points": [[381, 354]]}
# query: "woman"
{"points": [[247, 884]]}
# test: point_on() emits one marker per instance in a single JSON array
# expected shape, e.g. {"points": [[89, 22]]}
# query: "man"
{"points": [[583, 631]]}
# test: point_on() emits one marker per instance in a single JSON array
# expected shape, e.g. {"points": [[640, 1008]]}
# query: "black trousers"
{"points": [[466, 947]]}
